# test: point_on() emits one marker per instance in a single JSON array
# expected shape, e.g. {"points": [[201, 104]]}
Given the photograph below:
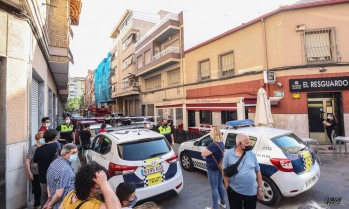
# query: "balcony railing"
{"points": [[170, 16], [165, 52]]}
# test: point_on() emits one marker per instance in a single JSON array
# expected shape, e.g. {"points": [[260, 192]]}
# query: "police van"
{"points": [[287, 165]]}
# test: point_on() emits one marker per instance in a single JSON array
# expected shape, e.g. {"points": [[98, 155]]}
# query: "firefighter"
{"points": [[67, 131], [166, 130]]}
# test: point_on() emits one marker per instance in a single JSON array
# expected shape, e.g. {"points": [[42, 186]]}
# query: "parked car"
{"points": [[140, 156], [287, 165], [95, 128]]}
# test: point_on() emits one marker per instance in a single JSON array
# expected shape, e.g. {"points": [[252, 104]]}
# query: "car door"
{"points": [[100, 149], [199, 146]]}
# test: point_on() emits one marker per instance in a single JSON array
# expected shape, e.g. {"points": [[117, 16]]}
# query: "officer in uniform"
{"points": [[67, 131], [166, 130], [107, 119]]}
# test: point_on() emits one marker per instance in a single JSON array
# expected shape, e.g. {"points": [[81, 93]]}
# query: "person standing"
{"points": [[89, 179], [169, 121], [126, 192], [107, 119], [102, 129], [214, 154], [45, 124], [166, 130], [85, 141], [330, 124], [246, 186], [67, 132], [43, 157], [32, 170], [61, 176]]}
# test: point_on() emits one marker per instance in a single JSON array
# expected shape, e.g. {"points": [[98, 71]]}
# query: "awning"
{"points": [[168, 106], [215, 107]]}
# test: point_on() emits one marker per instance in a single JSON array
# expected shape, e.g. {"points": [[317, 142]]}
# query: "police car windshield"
{"points": [[143, 149], [289, 143]]}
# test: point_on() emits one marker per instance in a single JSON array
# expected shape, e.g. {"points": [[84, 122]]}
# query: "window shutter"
{"points": [[205, 69]]}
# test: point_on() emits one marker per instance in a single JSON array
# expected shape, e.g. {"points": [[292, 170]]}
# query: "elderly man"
{"points": [[244, 187], [61, 176]]}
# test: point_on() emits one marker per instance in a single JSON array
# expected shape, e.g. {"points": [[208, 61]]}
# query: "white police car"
{"points": [[138, 156], [287, 165]]}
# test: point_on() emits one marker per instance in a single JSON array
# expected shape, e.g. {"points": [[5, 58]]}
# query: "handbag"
{"points": [[233, 169], [219, 165]]}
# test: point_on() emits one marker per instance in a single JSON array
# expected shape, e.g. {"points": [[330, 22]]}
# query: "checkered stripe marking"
{"points": [[199, 165]]}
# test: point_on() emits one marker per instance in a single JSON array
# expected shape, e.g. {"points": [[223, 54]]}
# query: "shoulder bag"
{"points": [[233, 169], [219, 165]]}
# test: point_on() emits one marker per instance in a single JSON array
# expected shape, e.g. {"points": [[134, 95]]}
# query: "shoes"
{"points": [[222, 205], [208, 208], [331, 148]]}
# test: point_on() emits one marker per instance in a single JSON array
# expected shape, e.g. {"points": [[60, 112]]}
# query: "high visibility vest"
{"points": [[65, 128], [165, 130]]}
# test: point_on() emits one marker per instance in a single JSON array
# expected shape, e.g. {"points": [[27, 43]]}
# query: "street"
{"points": [[333, 182]]}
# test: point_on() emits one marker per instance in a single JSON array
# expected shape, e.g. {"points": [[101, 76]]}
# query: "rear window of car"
{"points": [[289, 143], [143, 149], [150, 119]]}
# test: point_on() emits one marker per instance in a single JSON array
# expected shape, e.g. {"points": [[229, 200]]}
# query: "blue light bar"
{"points": [[236, 123]]}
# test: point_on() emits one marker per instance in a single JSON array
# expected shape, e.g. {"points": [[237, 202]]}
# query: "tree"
{"points": [[73, 104]]}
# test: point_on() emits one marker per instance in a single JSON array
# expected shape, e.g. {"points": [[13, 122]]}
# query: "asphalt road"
{"points": [[333, 182]]}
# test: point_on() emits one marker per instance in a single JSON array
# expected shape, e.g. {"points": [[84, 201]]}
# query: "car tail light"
{"points": [[179, 185], [115, 169], [173, 158], [284, 165]]}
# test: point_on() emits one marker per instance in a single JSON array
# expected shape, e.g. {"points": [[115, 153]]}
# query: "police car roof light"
{"points": [[239, 123]]}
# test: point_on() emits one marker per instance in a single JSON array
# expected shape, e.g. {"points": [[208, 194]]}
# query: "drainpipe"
{"points": [[265, 51]]}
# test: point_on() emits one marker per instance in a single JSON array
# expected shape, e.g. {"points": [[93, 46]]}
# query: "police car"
{"points": [[138, 156], [288, 166]]}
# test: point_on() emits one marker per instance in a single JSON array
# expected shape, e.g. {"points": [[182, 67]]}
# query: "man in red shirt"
{"points": [[45, 124]]}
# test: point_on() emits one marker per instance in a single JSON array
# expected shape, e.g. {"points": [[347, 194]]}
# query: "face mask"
{"points": [[73, 158], [329, 117], [133, 202], [42, 141], [47, 125], [67, 121], [247, 148]]}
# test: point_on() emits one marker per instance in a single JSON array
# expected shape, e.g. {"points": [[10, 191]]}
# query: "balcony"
{"points": [[168, 26], [128, 72], [165, 58], [114, 79], [127, 91]]}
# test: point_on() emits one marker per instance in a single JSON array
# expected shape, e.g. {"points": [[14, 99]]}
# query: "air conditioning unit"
{"points": [[300, 27]]}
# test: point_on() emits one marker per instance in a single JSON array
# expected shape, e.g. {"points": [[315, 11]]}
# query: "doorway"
{"points": [[191, 118], [319, 106]]}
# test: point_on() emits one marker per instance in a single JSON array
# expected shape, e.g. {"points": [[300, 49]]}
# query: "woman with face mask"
{"points": [[330, 124], [246, 186]]}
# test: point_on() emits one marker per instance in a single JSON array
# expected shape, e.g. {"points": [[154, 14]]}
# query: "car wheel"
{"points": [[187, 162], [272, 195]]}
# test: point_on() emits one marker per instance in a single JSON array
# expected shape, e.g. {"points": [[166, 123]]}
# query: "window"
{"points": [[204, 142], [205, 117], [320, 45], [231, 140], [153, 83], [226, 64], [101, 144], [131, 39], [139, 61], [143, 149], [204, 70], [228, 116], [128, 61], [150, 110], [147, 57], [173, 77]]}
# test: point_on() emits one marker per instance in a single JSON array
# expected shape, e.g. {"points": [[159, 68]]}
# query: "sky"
{"points": [[203, 19]]}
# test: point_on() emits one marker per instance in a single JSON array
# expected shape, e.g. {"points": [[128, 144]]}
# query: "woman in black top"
{"points": [[331, 124]]}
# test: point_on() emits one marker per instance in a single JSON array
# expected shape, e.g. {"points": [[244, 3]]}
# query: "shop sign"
{"points": [[319, 84]]}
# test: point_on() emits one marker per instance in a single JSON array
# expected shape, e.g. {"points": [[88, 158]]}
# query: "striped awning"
{"points": [[75, 10]]}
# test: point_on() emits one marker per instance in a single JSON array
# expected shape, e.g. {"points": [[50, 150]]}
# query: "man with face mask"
{"points": [[126, 193], [67, 131], [45, 124], [166, 130], [246, 186], [61, 176]]}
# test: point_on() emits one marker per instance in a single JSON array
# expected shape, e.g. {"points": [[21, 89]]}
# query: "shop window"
{"points": [[228, 116], [205, 117], [320, 45], [204, 70], [226, 64]]}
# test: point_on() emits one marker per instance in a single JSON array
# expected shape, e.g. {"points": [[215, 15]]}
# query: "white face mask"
{"points": [[47, 125], [67, 121]]}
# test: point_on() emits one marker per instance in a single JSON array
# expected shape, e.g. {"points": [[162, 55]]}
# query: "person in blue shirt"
{"points": [[214, 154], [246, 186]]}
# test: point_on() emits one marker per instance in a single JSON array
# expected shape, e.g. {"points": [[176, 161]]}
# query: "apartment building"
{"points": [[125, 86], [89, 89], [34, 63], [302, 48], [76, 87]]}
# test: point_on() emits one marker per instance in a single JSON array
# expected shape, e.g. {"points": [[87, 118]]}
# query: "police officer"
{"points": [[107, 119], [166, 130], [67, 131]]}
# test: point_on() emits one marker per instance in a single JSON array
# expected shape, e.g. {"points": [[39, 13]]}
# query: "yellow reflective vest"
{"points": [[165, 130], [65, 128]]}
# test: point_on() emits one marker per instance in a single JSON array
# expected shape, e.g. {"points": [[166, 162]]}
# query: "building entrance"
{"points": [[319, 106]]}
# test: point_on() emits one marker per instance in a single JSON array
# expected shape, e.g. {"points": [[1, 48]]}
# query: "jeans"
{"points": [[44, 196], [36, 190], [236, 200], [216, 181]]}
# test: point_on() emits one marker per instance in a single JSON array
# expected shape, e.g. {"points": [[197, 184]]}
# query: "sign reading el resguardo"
{"points": [[319, 84]]}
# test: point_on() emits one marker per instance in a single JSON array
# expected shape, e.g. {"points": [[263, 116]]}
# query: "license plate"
{"points": [[307, 159], [310, 181], [154, 179], [152, 169]]}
